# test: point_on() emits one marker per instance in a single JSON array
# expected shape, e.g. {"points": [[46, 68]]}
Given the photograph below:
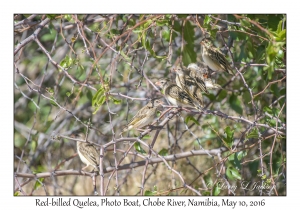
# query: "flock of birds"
{"points": [[191, 82]]}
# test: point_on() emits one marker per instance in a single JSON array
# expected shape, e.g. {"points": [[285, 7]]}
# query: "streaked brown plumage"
{"points": [[87, 152], [176, 95], [198, 72], [190, 85], [144, 116], [215, 59]]}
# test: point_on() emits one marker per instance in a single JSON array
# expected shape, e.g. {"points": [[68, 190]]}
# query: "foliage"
{"points": [[92, 73]]}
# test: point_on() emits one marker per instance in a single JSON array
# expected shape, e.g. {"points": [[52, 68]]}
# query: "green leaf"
{"points": [[162, 22], [235, 104], [206, 193], [52, 102], [138, 148], [274, 21], [33, 145], [189, 33], [68, 17], [125, 56], [281, 36], [89, 95], [68, 94], [116, 101], [81, 67], [48, 37], [98, 99], [267, 109], [177, 26], [279, 27], [235, 160], [236, 174], [146, 44], [233, 173], [97, 96], [207, 20], [101, 100], [245, 22], [51, 28], [166, 34], [216, 190], [66, 62], [271, 122], [38, 183], [146, 137], [16, 193], [188, 55], [229, 136], [182, 15], [163, 152], [150, 193], [253, 134], [51, 16], [188, 118]]}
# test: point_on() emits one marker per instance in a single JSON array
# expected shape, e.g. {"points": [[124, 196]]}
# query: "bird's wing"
{"points": [[175, 92], [199, 80], [216, 55], [90, 153], [145, 112], [191, 87]]}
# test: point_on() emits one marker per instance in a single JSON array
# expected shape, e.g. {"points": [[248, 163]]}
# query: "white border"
{"points": [[154, 6]]}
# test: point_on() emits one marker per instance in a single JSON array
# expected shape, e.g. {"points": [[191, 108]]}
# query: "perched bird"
{"points": [[209, 84], [143, 116], [87, 152], [199, 73], [176, 95], [189, 85], [214, 58], [199, 68]]}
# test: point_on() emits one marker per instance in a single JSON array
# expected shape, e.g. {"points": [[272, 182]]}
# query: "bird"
{"points": [[87, 152], [210, 84], [190, 85], [175, 94], [214, 58], [197, 71], [200, 73], [143, 116]]}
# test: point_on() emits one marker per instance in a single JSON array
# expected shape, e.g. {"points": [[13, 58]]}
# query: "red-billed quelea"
{"points": [[176, 95], [215, 59], [199, 72], [144, 116], [190, 86], [87, 152]]}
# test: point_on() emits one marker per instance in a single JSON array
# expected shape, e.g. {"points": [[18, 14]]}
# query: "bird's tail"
{"points": [[230, 70], [124, 130], [216, 86], [198, 107]]}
